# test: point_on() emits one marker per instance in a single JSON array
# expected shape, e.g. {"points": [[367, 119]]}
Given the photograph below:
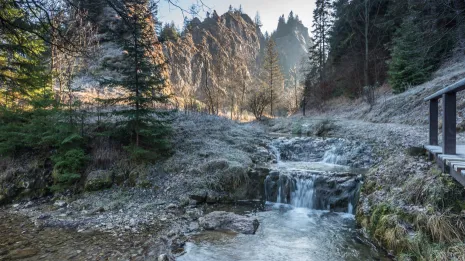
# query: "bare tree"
{"points": [[258, 100]]}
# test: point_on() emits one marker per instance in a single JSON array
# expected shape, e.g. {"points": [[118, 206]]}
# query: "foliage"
{"points": [[273, 73], [372, 41], [169, 32], [140, 127], [22, 72], [258, 101]]}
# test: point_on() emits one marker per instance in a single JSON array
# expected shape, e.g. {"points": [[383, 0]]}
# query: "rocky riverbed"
{"points": [[215, 162]]}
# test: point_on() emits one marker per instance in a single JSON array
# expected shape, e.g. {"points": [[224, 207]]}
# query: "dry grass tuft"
{"points": [[441, 227]]}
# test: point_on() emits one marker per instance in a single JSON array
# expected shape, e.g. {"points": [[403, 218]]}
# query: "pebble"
{"points": [[60, 203]]}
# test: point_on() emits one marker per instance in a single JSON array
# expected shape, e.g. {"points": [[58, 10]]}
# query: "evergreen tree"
{"points": [[168, 33], [258, 20], [320, 39], [274, 74], [141, 127], [23, 75], [409, 64]]}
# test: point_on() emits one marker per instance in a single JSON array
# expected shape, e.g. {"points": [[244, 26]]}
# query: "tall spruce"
{"points": [[273, 73], [140, 126], [23, 76], [320, 39], [409, 64]]}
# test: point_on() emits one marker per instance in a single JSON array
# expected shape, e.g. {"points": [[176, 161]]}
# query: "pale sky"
{"points": [[269, 10]]}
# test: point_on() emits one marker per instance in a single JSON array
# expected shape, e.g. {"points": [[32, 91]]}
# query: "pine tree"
{"points": [[409, 64], [273, 70], [141, 127], [321, 27], [258, 20], [23, 76]]}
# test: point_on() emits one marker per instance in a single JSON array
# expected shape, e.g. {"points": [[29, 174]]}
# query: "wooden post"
{"points": [[449, 123], [433, 122]]}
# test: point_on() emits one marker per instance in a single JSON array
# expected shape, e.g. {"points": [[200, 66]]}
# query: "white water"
{"points": [[332, 157], [294, 231], [350, 208], [304, 194], [286, 234], [276, 153]]}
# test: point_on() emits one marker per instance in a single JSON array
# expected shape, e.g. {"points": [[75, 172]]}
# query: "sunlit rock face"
{"points": [[222, 49], [292, 41]]}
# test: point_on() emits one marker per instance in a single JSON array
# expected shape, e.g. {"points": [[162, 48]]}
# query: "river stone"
{"points": [[98, 180], [222, 220], [23, 253]]}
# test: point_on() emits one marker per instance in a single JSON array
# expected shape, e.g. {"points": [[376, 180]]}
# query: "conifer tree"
{"points": [[273, 71], [22, 73], [321, 27], [140, 126], [409, 64], [258, 20]]}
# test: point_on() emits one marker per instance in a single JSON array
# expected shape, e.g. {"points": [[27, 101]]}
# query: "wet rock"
{"points": [[60, 203], [98, 180], [222, 220], [163, 257], [199, 196], [22, 253]]}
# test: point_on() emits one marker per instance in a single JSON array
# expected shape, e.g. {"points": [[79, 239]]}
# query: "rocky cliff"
{"points": [[222, 50], [292, 41]]}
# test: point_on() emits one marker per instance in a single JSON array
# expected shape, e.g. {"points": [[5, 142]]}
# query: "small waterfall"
{"points": [[304, 193], [276, 153], [333, 156], [350, 208]]}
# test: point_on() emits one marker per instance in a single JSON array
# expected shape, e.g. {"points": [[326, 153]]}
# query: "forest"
{"points": [[359, 46], [127, 137]]}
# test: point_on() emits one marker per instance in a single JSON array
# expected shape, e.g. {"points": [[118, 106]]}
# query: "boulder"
{"points": [[98, 180], [227, 221]]}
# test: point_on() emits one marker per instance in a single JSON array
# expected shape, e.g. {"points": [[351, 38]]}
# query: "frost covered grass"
{"points": [[214, 152], [413, 210]]}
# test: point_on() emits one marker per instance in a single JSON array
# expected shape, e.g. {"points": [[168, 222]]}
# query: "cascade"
{"points": [[311, 188]]}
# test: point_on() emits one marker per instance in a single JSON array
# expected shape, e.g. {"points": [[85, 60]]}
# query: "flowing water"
{"points": [[308, 216]]}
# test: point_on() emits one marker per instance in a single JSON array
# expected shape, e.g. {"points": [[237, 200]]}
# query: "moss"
{"points": [[98, 185], [296, 129], [144, 184], [368, 187]]}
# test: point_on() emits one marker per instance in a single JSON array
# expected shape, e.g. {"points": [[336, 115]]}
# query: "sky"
{"points": [[270, 10]]}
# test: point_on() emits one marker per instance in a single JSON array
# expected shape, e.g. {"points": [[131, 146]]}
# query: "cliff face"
{"points": [[292, 41], [222, 50]]}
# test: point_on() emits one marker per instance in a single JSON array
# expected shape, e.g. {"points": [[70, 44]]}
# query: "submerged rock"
{"points": [[222, 220]]}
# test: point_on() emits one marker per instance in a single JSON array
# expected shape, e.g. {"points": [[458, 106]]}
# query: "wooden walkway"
{"points": [[454, 164], [450, 156]]}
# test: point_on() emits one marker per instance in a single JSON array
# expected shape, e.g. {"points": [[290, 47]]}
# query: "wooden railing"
{"points": [[449, 117]]}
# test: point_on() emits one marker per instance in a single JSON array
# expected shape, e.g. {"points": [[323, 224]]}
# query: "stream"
{"points": [[308, 214]]}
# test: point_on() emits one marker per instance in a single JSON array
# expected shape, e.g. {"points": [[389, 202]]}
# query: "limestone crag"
{"points": [[226, 47]]}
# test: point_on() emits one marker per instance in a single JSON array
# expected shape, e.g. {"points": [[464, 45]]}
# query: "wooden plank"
{"points": [[452, 162], [447, 156], [459, 167], [456, 87], [459, 176]]}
